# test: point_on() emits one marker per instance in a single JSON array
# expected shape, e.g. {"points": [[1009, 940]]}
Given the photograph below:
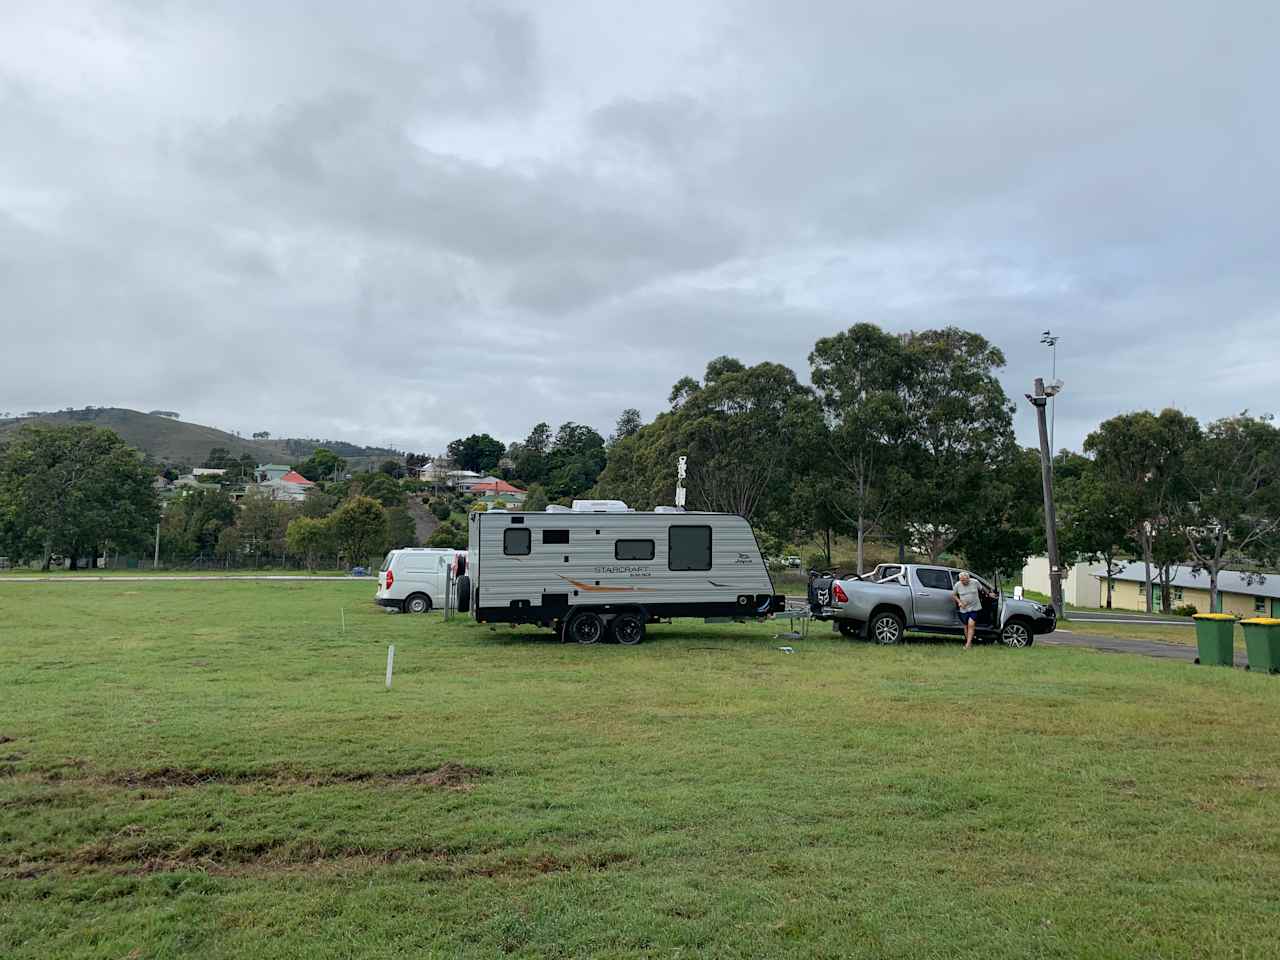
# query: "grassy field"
{"points": [[216, 770], [24, 573]]}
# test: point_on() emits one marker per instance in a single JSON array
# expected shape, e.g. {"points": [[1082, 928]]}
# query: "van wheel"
{"points": [[885, 627], [1017, 634], [418, 603], [628, 628], [585, 627]]}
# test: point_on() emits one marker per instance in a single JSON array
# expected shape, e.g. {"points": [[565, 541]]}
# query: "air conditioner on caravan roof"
{"points": [[600, 506]]}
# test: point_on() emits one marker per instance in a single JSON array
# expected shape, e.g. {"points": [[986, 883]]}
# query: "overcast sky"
{"points": [[435, 219]]}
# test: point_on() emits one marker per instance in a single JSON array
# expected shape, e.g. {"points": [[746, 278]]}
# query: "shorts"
{"points": [[967, 615]]}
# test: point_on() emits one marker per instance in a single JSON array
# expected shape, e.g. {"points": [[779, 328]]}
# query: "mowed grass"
{"points": [[216, 770]]}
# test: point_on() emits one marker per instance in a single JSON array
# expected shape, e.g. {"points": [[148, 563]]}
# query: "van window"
{"points": [[633, 549], [555, 536], [516, 543], [689, 548], [934, 579], [386, 563]]}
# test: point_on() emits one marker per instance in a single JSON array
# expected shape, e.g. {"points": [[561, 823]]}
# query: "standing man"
{"points": [[968, 597]]}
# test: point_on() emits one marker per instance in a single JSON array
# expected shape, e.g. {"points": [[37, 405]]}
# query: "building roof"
{"points": [[293, 476], [1229, 581], [497, 486]]}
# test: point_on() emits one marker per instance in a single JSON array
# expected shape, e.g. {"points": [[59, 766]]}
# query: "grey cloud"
{"points": [[456, 217]]}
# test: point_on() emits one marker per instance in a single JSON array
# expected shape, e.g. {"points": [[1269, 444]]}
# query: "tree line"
{"points": [[904, 440]]}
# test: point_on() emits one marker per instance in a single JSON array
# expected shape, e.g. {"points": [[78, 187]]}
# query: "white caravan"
{"points": [[414, 579], [602, 569]]}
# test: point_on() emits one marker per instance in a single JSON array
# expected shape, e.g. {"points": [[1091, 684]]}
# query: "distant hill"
{"points": [[172, 441]]}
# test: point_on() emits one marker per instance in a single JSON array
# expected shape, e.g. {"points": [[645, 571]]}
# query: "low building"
{"points": [[291, 486], [492, 486], [432, 472], [464, 480], [1241, 593], [1079, 588], [210, 472], [266, 472]]}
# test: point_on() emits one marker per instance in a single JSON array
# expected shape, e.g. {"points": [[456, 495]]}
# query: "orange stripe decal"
{"points": [[591, 588]]}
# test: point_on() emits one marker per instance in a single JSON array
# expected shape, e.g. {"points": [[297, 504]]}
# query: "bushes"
{"points": [[1186, 610], [449, 534]]}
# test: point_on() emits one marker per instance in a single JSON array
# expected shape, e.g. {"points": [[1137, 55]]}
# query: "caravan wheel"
{"points": [[585, 627], [628, 628]]}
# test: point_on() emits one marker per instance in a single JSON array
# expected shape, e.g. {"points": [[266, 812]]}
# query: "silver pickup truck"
{"points": [[898, 597]]}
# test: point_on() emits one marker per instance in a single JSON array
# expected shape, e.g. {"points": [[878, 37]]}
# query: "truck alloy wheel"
{"points": [[586, 627], [628, 628], [886, 628], [1015, 634]]}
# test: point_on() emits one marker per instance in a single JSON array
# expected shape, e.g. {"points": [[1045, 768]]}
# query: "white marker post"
{"points": [[391, 659], [343, 614]]}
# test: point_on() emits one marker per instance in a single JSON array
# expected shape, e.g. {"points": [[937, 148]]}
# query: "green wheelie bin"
{"points": [[1214, 638], [1262, 643]]}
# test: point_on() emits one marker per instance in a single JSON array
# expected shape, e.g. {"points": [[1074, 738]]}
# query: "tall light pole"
{"points": [[1050, 340], [1038, 400]]}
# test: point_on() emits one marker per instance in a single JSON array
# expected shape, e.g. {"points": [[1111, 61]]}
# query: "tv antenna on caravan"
{"points": [[681, 473]]}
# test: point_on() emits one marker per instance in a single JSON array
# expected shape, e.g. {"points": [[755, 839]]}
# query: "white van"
{"points": [[413, 579]]}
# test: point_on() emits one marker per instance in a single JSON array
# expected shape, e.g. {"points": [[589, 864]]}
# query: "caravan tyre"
{"points": [[463, 590], [585, 627], [628, 628]]}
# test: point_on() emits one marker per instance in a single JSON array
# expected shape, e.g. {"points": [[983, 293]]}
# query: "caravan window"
{"points": [[689, 548], [515, 543], [633, 549], [555, 536]]}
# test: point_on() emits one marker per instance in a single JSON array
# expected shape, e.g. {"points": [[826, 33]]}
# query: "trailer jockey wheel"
{"points": [[628, 628], [585, 627]]}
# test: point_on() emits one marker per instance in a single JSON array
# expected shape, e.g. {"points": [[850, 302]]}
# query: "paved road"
{"points": [[1115, 616], [1147, 648]]}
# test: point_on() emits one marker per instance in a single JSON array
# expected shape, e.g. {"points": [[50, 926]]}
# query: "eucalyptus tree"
{"points": [[862, 378], [1232, 510], [1146, 453]]}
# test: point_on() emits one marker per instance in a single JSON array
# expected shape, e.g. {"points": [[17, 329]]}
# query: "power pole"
{"points": [[1038, 400], [155, 564]]}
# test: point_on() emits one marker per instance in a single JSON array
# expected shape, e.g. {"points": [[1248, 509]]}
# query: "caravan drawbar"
{"points": [[601, 569]]}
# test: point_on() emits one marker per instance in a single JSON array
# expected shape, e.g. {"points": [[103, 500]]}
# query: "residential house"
{"points": [[432, 472], [493, 490], [266, 472], [210, 472], [464, 480], [291, 486], [1241, 593]]}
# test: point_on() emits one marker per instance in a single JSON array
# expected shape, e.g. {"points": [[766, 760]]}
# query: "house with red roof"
{"points": [[290, 485], [494, 491]]}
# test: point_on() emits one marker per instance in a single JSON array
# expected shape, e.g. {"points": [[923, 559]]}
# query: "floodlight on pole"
{"points": [[1050, 340]]}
